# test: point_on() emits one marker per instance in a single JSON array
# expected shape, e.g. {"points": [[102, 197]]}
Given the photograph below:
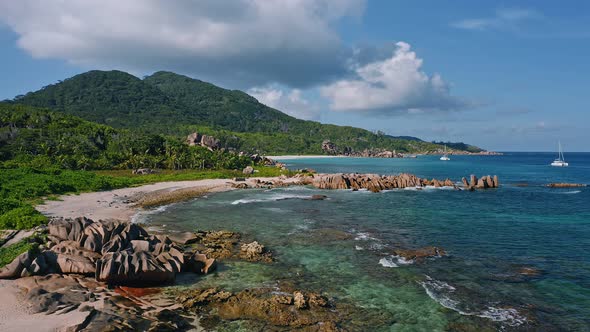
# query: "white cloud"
{"points": [[396, 83], [248, 41], [292, 103], [503, 18]]}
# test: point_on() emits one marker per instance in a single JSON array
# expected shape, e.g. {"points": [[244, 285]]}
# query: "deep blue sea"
{"points": [[518, 256]]}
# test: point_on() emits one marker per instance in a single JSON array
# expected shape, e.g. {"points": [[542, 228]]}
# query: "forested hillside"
{"points": [[172, 104], [41, 138]]}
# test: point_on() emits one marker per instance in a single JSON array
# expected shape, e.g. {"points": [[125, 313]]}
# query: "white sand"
{"points": [[16, 317], [111, 204], [289, 157]]}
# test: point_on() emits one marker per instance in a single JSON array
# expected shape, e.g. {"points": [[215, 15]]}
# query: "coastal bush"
{"points": [[23, 217], [8, 254]]}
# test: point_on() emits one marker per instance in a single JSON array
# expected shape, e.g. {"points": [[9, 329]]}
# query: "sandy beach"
{"points": [[289, 157], [120, 203], [15, 316]]}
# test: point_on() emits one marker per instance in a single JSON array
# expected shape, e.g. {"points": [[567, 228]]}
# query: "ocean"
{"points": [[517, 256]]}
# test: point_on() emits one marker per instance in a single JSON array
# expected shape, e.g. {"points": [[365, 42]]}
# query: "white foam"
{"points": [[440, 292], [569, 192], [394, 261], [387, 262], [510, 316], [359, 248], [141, 215], [403, 261], [270, 198], [362, 236]]}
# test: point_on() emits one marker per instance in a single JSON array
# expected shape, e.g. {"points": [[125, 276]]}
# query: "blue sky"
{"points": [[511, 75]]}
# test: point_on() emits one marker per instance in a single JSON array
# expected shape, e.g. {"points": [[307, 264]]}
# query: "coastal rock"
{"points": [[75, 264], [420, 254], [199, 263], [183, 238], [68, 229], [240, 185], [255, 252], [121, 236], [472, 181], [565, 185], [277, 310], [19, 267], [248, 170], [68, 257], [299, 300], [217, 244], [136, 268], [465, 183]]}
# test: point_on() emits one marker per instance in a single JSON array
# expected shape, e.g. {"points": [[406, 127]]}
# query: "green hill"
{"points": [[172, 104]]}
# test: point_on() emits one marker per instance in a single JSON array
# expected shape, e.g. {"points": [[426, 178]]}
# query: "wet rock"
{"points": [[465, 183], [255, 252], [318, 300], [271, 308], [199, 263], [529, 271], [566, 185], [299, 300], [217, 244], [283, 298], [420, 254]]}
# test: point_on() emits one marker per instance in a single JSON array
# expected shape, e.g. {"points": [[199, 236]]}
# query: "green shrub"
{"points": [[23, 217]]}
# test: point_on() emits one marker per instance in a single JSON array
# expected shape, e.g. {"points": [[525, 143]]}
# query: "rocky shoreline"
{"points": [[92, 269]]}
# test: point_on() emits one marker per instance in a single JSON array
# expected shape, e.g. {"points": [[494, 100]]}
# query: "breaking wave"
{"points": [[395, 261], [271, 198], [441, 292]]}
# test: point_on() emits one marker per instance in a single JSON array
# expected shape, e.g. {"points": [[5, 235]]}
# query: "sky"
{"points": [[505, 76]]}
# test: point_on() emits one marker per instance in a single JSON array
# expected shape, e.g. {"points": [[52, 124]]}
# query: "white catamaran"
{"points": [[560, 161], [445, 157]]}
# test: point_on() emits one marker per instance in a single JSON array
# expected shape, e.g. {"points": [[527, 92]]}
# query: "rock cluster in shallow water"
{"points": [[307, 311], [376, 183]]}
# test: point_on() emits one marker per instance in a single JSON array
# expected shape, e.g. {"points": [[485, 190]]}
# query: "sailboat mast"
{"points": [[561, 152]]}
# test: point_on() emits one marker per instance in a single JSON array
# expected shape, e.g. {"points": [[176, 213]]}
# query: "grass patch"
{"points": [[8, 254]]}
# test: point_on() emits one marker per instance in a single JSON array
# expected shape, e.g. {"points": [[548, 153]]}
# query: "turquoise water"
{"points": [[344, 245]]}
